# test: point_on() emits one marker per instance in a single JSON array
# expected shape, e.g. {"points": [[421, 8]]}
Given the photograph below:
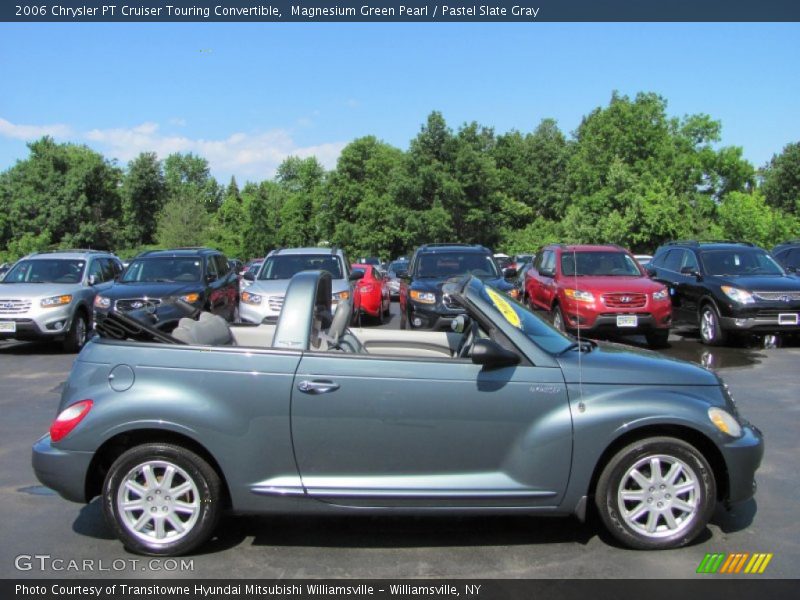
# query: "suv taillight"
{"points": [[68, 419]]}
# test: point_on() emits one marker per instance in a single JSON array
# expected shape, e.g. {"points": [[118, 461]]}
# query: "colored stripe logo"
{"points": [[735, 563]]}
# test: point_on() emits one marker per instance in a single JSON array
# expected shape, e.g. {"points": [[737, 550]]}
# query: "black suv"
{"points": [[788, 255], [727, 287], [422, 302], [154, 280]]}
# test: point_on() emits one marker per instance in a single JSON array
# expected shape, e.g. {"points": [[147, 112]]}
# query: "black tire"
{"points": [[78, 333], [403, 319], [657, 338], [203, 499], [558, 319], [388, 311], [711, 332], [381, 317], [694, 507]]}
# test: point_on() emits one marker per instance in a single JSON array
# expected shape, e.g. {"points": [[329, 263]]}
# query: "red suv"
{"points": [[598, 289]]}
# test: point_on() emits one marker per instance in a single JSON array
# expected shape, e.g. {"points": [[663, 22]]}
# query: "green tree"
{"points": [[227, 224], [143, 196], [183, 222], [781, 180], [189, 175]]}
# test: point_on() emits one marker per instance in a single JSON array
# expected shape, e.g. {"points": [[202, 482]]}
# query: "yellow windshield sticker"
{"points": [[505, 308]]}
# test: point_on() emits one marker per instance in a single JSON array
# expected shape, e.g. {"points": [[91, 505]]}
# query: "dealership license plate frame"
{"points": [[787, 319], [627, 321], [8, 327]]}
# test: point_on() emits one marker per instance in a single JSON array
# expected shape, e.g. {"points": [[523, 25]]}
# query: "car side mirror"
{"points": [[355, 275], [690, 271], [492, 355], [211, 277], [249, 275], [509, 272], [651, 271], [93, 280]]}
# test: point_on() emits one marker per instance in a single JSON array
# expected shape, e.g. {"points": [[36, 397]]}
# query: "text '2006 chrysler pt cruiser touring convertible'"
{"points": [[503, 414]]}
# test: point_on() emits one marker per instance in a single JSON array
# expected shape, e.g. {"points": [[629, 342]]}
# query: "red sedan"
{"points": [[371, 294]]}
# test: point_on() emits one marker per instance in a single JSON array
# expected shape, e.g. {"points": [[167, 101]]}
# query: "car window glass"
{"points": [[793, 258], [740, 262], [96, 270], [106, 264], [164, 270], [211, 267], [286, 266], [223, 266], [674, 260], [436, 265], [689, 260], [549, 262]]}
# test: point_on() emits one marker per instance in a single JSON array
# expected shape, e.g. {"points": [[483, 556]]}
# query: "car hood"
{"points": [[151, 290], [605, 285], [616, 364], [278, 286], [23, 291], [435, 285], [762, 283]]}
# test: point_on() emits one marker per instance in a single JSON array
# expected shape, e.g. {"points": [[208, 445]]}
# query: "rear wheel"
{"points": [[161, 499], [656, 493], [78, 333], [711, 331]]}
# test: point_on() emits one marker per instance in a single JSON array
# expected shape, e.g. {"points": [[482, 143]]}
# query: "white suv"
{"points": [[49, 296], [263, 299]]}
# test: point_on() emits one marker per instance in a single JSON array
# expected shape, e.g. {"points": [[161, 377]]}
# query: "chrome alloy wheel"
{"points": [[158, 502], [708, 325], [80, 331], [659, 496]]}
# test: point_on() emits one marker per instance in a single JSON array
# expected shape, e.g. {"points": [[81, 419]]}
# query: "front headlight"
{"points": [[661, 295], [56, 301], [423, 297], [102, 302], [249, 298], [191, 298], [725, 421], [339, 296], [514, 293], [737, 295], [579, 295]]}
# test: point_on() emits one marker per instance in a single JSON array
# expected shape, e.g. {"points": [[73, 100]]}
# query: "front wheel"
{"points": [[161, 499], [656, 493], [558, 319], [78, 333], [711, 331]]}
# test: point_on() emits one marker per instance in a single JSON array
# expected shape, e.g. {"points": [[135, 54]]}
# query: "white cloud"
{"points": [[29, 133], [246, 155]]}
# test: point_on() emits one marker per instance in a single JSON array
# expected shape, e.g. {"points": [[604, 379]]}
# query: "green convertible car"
{"points": [[502, 414]]}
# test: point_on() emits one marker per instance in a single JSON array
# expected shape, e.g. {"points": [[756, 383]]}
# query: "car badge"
{"points": [[625, 299], [786, 298], [8, 305]]}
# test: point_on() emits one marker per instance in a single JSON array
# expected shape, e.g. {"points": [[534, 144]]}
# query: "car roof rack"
{"points": [[275, 251], [72, 251], [697, 243]]}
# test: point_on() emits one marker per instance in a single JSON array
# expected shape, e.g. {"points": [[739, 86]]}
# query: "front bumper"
{"points": [[432, 316], [768, 322], [61, 470], [49, 323], [607, 322], [742, 459]]}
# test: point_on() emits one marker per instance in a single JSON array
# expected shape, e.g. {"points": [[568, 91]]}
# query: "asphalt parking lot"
{"points": [[765, 383]]}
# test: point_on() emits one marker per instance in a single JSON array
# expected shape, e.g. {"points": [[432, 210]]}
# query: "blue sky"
{"points": [[245, 96]]}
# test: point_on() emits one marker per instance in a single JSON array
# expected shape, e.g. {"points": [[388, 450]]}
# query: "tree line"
{"points": [[629, 174]]}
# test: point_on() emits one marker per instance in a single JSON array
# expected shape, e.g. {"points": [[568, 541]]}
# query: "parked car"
{"points": [[264, 298], [500, 415], [503, 260], [422, 301], [371, 295], [643, 259], [201, 277], [519, 293], [49, 295], [252, 266], [788, 255], [370, 260], [518, 260], [396, 270], [4, 269], [598, 289], [727, 288]]}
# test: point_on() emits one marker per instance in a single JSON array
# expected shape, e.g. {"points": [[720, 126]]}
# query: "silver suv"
{"points": [[263, 299], [49, 295]]}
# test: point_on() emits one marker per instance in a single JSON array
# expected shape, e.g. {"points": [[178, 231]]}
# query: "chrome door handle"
{"points": [[317, 386]]}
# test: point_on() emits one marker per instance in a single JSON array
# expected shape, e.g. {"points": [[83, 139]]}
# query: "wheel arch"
{"points": [[686, 434], [113, 448]]}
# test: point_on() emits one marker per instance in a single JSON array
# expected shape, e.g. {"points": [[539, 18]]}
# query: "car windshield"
{"points": [[539, 331], [166, 269], [599, 264], [288, 265], [46, 270], [441, 265], [399, 266], [739, 262]]}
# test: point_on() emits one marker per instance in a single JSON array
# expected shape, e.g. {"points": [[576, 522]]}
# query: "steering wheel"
{"points": [[465, 345]]}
